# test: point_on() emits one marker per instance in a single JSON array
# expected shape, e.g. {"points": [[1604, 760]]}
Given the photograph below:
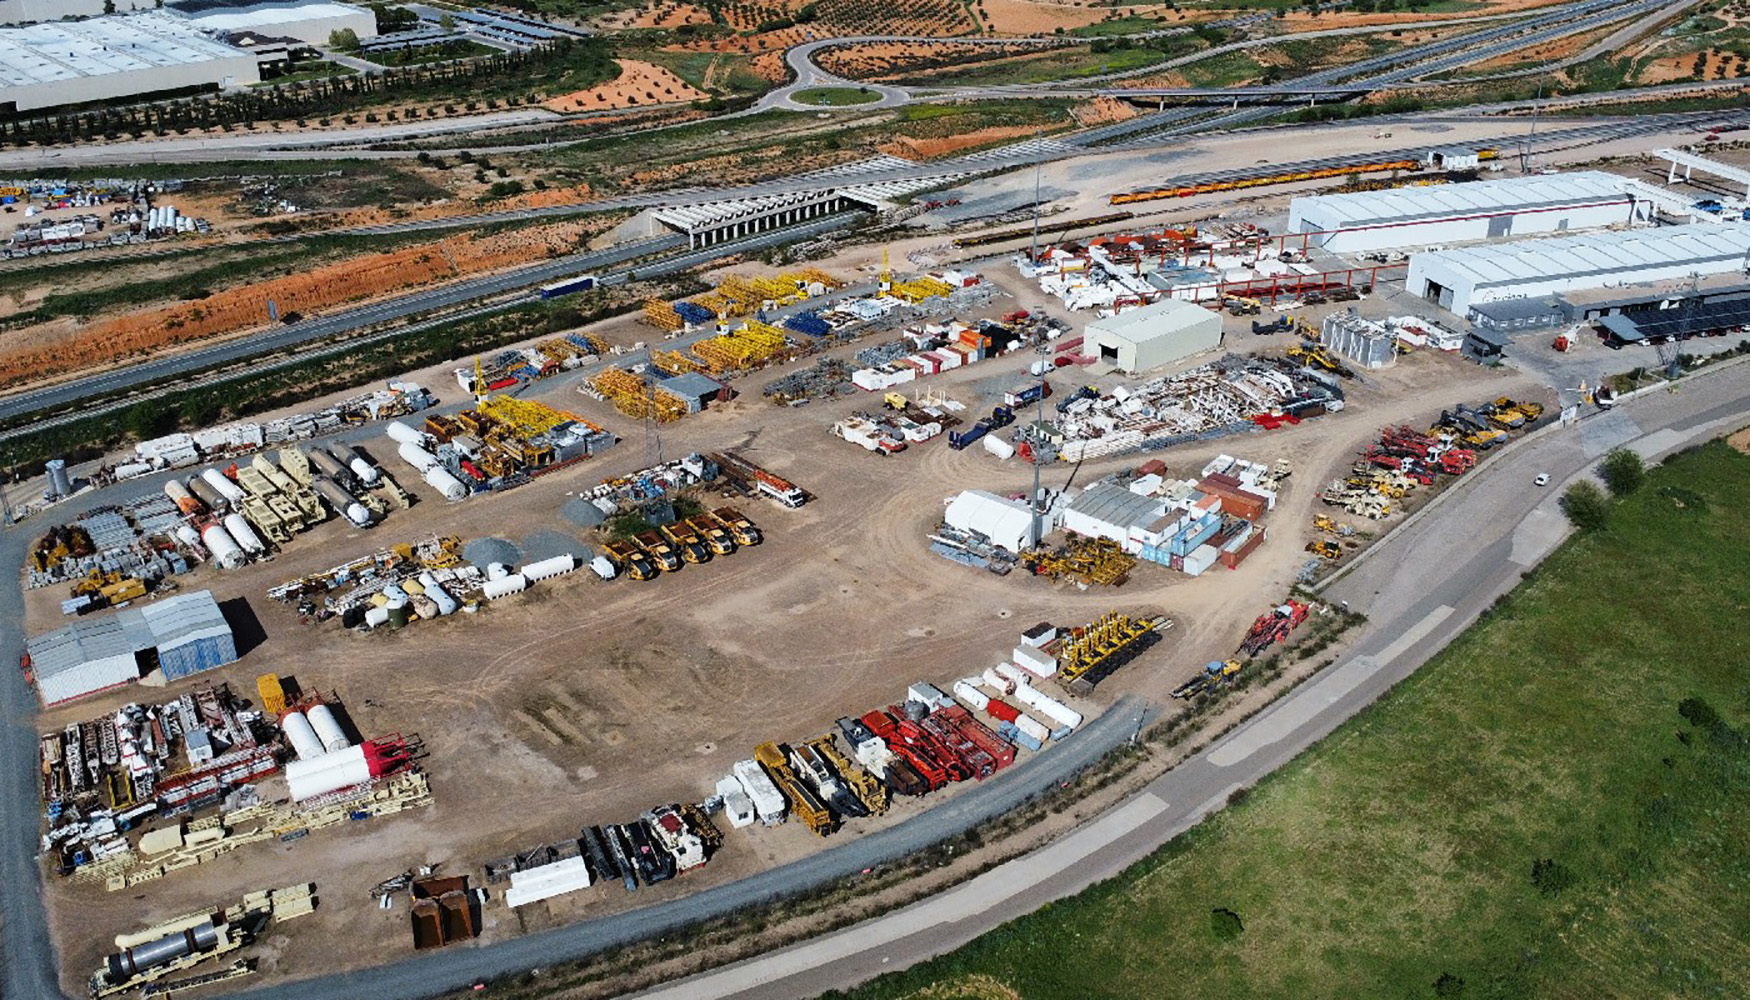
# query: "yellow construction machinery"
{"points": [[273, 694], [1317, 356], [436, 552], [62, 542], [631, 560], [866, 787], [682, 537], [1093, 560], [1240, 305], [712, 534], [1324, 548], [1324, 522], [738, 526], [1090, 653], [895, 401], [804, 804], [658, 549]]}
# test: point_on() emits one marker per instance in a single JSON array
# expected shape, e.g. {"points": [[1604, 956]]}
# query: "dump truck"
{"points": [[738, 525], [805, 805], [682, 537], [631, 560], [658, 549], [868, 790], [712, 534]]}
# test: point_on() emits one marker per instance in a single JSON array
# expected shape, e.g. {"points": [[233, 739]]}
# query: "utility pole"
{"points": [[1525, 148], [1038, 158], [1034, 503]]}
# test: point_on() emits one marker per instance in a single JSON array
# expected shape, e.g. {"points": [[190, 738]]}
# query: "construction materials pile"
{"points": [[500, 444], [144, 958], [112, 544], [1221, 397], [1094, 561], [738, 295], [174, 451], [103, 777], [665, 841], [1404, 458], [511, 368], [827, 378]]}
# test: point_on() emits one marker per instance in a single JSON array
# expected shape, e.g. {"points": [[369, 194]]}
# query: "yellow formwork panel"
{"points": [[529, 417], [674, 362], [661, 315], [919, 289]]}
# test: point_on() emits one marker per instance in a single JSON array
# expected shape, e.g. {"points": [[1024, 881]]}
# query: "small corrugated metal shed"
{"points": [[1107, 510]]}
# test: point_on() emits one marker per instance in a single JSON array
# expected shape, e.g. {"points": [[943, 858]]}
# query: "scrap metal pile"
{"points": [[1405, 458], [348, 589], [1223, 396]]}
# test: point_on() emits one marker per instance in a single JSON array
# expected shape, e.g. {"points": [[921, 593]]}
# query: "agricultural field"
{"points": [[1552, 807], [1713, 43], [1097, 58]]}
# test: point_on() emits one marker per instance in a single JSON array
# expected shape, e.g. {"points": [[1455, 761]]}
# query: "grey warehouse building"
{"points": [[180, 636], [1461, 279], [1460, 213], [1156, 334], [111, 58]]}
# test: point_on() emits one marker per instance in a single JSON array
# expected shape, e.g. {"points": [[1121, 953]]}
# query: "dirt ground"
{"points": [[1044, 17], [598, 700], [639, 84], [1300, 20], [925, 149]]}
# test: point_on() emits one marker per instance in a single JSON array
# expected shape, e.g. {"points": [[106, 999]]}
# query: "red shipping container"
{"points": [[1002, 710]]}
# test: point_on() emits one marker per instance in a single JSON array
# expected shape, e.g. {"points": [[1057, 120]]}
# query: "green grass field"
{"points": [[1530, 815], [835, 97]]}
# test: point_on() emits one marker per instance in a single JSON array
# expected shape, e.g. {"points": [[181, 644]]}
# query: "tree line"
{"points": [[585, 60]]}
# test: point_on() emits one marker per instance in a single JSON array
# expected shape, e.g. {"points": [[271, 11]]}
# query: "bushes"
{"points": [[1586, 506], [1623, 471]]}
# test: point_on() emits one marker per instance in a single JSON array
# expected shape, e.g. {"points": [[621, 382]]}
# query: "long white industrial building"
{"points": [[1460, 278], [1364, 221], [110, 58], [306, 20]]}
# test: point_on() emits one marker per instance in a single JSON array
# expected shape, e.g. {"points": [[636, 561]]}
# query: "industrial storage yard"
{"points": [[770, 522]]}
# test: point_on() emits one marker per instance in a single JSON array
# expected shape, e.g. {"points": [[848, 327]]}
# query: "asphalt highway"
{"points": [[1422, 586]]}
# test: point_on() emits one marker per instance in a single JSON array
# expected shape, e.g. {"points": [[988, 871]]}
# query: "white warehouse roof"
{"points": [[1440, 201], [1007, 523], [1595, 255], [68, 50], [1155, 320], [273, 16]]}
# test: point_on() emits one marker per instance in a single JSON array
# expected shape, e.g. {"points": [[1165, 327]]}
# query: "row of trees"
{"points": [[566, 59]]}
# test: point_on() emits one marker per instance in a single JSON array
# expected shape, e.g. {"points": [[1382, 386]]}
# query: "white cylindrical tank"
{"points": [[1014, 673], [226, 552], [366, 472], [376, 617], [403, 434], [187, 535], [515, 583], [240, 530], [604, 567], [394, 593], [327, 729], [434, 590], [227, 489], [328, 773], [444, 483], [1049, 707], [302, 736], [965, 690], [179, 495], [496, 571], [997, 682], [1032, 727], [548, 568], [998, 447], [343, 502], [132, 470], [416, 456]]}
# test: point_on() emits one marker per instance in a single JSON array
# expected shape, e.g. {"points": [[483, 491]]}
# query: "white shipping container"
{"points": [[1032, 727], [768, 802], [1032, 660], [929, 694], [535, 884], [736, 805]]}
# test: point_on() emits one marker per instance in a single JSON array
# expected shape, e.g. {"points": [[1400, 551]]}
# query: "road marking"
{"points": [[1301, 707], [966, 900]]}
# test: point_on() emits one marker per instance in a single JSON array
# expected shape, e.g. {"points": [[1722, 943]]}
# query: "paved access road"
{"points": [[1420, 588]]}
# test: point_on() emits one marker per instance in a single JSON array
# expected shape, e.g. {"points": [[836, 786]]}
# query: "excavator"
{"points": [[1317, 356]]}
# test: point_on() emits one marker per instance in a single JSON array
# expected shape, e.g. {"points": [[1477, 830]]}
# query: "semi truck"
{"points": [[568, 286], [753, 479]]}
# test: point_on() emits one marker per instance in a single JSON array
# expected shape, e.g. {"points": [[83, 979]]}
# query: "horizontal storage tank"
{"points": [[998, 447], [184, 500], [997, 682], [549, 568], [244, 535], [302, 736], [403, 434], [603, 567], [967, 692], [416, 456], [187, 535], [497, 571], [1014, 673], [226, 552], [124, 966], [1032, 727], [1047, 706], [515, 583], [327, 728], [444, 483], [227, 489], [203, 491], [376, 617], [343, 502], [333, 771], [446, 605], [124, 941]]}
